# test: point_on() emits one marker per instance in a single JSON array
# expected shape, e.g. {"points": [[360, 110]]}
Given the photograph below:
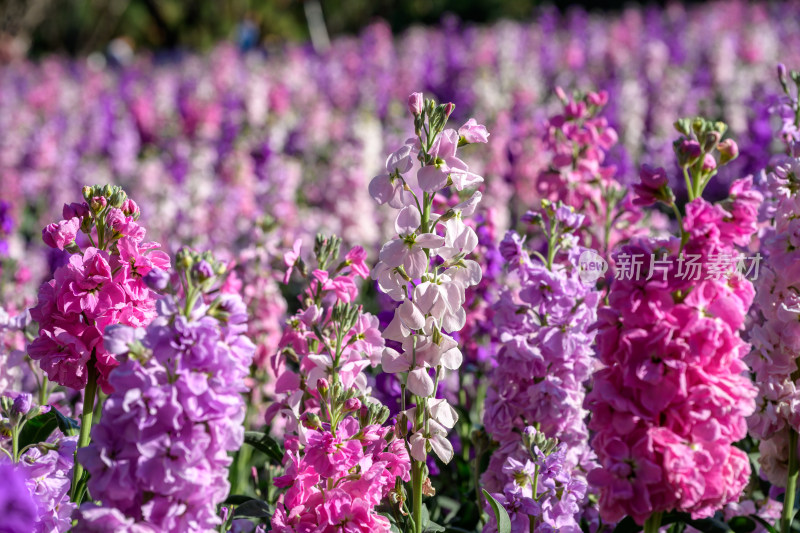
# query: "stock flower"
{"points": [[178, 411], [774, 335], [49, 475], [653, 186], [409, 252], [544, 360], [18, 506], [390, 188], [445, 164], [672, 398], [472, 132], [96, 288], [61, 234]]}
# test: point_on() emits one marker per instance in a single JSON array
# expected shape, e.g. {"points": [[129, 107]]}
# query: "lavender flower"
{"points": [[160, 452], [17, 507]]}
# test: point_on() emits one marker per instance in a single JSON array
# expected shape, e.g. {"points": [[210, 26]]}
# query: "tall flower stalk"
{"points": [[774, 359], [159, 456], [425, 268], [101, 285], [543, 366], [672, 398], [342, 459]]}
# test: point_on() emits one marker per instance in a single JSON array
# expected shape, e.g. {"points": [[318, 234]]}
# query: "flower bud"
{"points": [[684, 126], [98, 203], [728, 151], [203, 270], [323, 386], [353, 404], [22, 404], [130, 208], [310, 421], [711, 140], [448, 109], [118, 198], [687, 151], [415, 104], [709, 163], [782, 78], [157, 279], [597, 99]]}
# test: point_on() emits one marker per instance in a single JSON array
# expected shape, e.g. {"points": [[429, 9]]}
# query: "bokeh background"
{"points": [[77, 27]]}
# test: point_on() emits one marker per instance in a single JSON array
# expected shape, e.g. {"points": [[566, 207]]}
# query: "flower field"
{"points": [[525, 277]]}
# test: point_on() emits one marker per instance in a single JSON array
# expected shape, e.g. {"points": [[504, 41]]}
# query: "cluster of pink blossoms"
{"points": [[101, 284], [341, 460], [579, 139], [672, 398]]}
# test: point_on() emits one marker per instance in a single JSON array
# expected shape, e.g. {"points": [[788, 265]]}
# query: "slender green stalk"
{"points": [[43, 392], [791, 484], [86, 426], [653, 523], [15, 443], [416, 489], [689, 185]]}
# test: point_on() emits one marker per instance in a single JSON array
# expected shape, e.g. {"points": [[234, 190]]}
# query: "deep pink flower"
{"points": [[330, 454], [61, 234], [357, 258], [86, 285]]}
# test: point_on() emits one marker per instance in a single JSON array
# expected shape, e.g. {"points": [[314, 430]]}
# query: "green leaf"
{"points": [[68, 426], [238, 499], [264, 443], [38, 428], [741, 524], [769, 527], [253, 509], [433, 527], [500, 513], [627, 525]]}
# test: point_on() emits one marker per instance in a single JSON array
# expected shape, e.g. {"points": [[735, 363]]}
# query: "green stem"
{"points": [[43, 392], [86, 427], [684, 235], [15, 443], [653, 523], [791, 484], [416, 490], [426, 212], [689, 188]]}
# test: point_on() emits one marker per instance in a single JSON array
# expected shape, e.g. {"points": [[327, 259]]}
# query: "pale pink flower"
{"points": [[472, 132], [409, 252]]}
